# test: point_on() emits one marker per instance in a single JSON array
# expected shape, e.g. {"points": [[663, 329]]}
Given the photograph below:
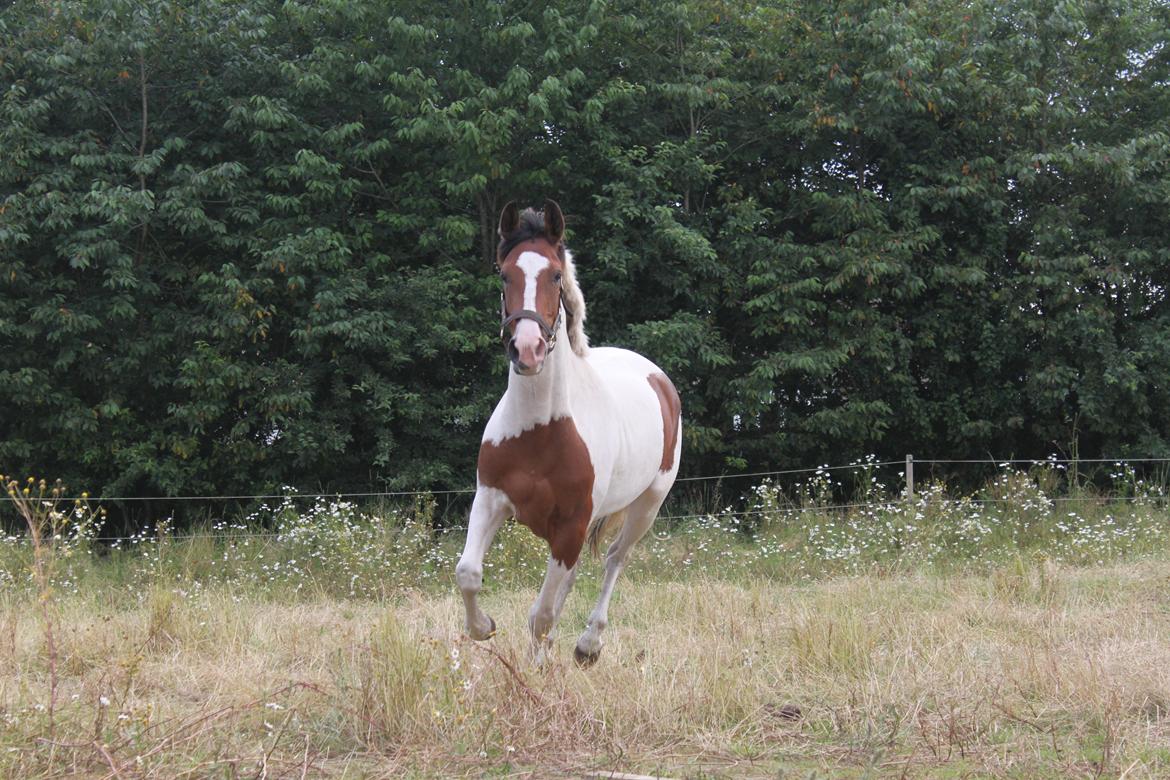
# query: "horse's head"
{"points": [[532, 263]]}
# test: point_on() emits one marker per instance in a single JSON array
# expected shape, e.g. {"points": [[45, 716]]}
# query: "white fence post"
{"points": [[909, 477]]}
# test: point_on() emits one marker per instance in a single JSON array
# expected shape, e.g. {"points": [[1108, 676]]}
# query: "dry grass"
{"points": [[1030, 671]]}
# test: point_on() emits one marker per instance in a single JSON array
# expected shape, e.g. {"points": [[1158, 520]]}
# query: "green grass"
{"points": [[296, 549], [945, 675], [944, 637]]}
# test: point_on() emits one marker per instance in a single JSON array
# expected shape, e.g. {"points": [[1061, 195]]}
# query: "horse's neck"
{"points": [[534, 400], [545, 396]]}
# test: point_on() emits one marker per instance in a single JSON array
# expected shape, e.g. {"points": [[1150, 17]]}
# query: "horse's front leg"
{"points": [[546, 611], [488, 511]]}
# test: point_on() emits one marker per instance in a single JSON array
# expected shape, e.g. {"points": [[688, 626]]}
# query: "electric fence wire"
{"points": [[464, 491], [890, 505]]}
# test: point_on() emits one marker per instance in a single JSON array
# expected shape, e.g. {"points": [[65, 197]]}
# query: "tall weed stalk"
{"points": [[54, 533]]}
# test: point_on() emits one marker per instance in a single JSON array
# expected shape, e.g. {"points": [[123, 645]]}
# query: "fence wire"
{"points": [[714, 477], [889, 505]]}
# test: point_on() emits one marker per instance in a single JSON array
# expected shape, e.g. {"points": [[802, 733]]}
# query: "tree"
{"points": [[243, 246]]}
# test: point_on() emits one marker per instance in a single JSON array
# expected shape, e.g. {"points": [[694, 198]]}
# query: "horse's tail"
{"points": [[599, 527]]}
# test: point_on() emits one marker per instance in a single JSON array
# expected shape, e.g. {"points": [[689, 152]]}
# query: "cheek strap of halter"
{"points": [[550, 334]]}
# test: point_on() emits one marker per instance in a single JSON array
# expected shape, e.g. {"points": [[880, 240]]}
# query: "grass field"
{"points": [[1006, 634]]}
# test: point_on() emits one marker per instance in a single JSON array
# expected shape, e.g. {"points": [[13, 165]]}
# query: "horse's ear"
{"points": [[554, 221], [509, 219]]}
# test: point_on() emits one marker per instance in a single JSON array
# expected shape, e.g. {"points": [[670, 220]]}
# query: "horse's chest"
{"points": [[548, 476]]}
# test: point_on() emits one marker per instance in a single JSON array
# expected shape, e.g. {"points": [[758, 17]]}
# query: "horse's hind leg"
{"points": [[488, 512], [639, 517]]}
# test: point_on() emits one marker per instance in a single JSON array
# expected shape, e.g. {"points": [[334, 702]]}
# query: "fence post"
{"points": [[909, 477]]}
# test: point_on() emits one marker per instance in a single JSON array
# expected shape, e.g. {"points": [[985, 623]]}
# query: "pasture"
{"points": [[248, 244], [1007, 633]]}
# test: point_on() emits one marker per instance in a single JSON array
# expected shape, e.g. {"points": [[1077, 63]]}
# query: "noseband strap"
{"points": [[549, 333]]}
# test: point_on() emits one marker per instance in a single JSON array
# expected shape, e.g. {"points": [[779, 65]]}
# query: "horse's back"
{"points": [[631, 424], [621, 367]]}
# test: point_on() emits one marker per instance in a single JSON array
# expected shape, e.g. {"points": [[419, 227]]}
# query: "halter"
{"points": [[550, 334]]}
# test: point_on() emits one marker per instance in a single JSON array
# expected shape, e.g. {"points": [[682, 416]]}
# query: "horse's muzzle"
{"points": [[527, 356]]}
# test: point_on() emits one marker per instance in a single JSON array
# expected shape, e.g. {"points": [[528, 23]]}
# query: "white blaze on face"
{"points": [[531, 263], [529, 340]]}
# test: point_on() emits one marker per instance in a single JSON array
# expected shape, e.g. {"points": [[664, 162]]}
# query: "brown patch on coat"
{"points": [[548, 476], [671, 410]]}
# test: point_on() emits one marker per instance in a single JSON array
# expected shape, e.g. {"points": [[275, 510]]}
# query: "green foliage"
{"points": [[300, 552], [245, 246]]}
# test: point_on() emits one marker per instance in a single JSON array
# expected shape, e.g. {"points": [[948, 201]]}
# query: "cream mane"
{"points": [[574, 308]]}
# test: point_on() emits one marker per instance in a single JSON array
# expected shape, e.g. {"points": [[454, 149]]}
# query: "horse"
{"points": [[583, 442]]}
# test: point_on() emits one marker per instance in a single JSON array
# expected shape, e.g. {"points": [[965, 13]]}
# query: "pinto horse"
{"points": [[583, 440]]}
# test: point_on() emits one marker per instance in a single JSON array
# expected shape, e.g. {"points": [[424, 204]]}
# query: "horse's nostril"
{"points": [[513, 353]]}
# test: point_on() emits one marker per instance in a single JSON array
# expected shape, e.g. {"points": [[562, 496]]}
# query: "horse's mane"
{"points": [[531, 225]]}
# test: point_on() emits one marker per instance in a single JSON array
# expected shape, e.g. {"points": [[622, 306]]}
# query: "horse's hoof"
{"points": [[585, 660], [487, 635]]}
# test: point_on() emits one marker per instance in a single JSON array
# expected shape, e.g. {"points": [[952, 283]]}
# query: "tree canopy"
{"points": [[246, 245]]}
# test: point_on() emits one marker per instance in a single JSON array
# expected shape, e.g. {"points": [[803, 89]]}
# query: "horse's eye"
{"points": [[557, 278]]}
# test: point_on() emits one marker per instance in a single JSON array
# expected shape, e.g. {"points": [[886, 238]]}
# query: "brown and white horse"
{"points": [[582, 440]]}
